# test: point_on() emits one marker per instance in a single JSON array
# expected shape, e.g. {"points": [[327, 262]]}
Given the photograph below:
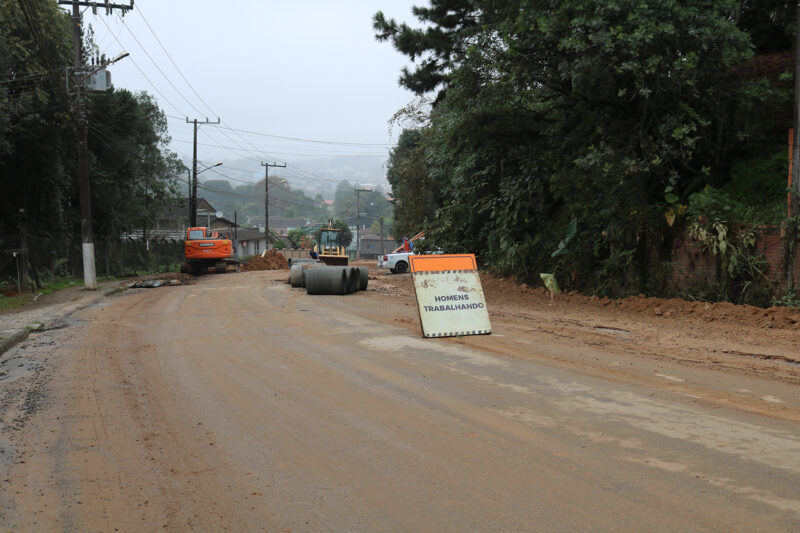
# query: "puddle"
{"points": [[612, 330], [775, 359]]}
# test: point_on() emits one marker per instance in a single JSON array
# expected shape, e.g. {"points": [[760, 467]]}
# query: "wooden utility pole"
{"points": [[87, 236], [266, 195], [193, 191]]}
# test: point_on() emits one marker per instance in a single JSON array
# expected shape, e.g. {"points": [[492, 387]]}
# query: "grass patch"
{"points": [[12, 302]]}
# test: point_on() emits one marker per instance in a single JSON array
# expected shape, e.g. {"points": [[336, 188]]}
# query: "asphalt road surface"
{"points": [[241, 404]]}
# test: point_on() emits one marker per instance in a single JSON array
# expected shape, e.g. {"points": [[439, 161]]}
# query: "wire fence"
{"points": [[34, 261]]}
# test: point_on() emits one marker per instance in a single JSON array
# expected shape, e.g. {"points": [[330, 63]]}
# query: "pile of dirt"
{"points": [[272, 260], [508, 291]]}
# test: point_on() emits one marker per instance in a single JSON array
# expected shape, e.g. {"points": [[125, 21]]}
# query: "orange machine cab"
{"points": [[205, 249], [204, 244]]}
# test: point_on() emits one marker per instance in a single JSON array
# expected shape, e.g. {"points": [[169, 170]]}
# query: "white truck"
{"points": [[397, 263]]}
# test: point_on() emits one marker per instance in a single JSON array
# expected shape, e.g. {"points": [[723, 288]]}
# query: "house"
{"points": [[372, 245], [250, 242]]}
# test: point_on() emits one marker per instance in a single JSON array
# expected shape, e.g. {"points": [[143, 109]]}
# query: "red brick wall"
{"points": [[694, 266]]}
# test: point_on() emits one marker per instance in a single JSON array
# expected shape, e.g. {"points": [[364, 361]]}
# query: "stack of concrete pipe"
{"points": [[298, 260], [320, 279]]}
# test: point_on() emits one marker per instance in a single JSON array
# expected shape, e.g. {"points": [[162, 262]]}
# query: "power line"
{"points": [[238, 147], [298, 139], [256, 149], [337, 143], [157, 67], [153, 85], [141, 14], [329, 155]]}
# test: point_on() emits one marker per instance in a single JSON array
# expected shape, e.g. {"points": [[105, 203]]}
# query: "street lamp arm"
{"points": [[210, 167]]}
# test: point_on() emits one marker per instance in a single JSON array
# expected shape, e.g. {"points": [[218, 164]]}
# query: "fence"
{"points": [[41, 259]]}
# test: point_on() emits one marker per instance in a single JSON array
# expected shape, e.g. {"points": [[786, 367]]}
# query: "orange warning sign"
{"points": [[440, 263]]}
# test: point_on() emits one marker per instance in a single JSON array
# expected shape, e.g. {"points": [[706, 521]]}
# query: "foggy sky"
{"points": [[309, 70]]}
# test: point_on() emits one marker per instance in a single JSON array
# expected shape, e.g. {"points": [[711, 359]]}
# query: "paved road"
{"points": [[242, 404]]}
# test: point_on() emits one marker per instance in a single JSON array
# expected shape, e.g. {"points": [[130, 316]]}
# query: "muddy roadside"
{"points": [[722, 354]]}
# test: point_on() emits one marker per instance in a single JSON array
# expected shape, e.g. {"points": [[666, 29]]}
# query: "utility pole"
{"points": [[87, 236], [193, 192], [266, 194], [383, 250], [358, 223], [189, 192]]}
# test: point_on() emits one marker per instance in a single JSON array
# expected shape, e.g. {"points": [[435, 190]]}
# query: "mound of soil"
{"points": [[272, 260], [508, 291]]}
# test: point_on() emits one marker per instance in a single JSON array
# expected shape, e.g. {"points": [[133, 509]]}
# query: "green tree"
{"points": [[344, 205], [131, 171], [549, 111], [415, 193]]}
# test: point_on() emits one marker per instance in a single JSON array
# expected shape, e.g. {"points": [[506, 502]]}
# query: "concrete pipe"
{"points": [[353, 279], [306, 266], [364, 278], [297, 260], [326, 280], [296, 275]]}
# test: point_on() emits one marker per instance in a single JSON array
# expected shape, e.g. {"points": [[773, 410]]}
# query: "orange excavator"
{"points": [[206, 249]]}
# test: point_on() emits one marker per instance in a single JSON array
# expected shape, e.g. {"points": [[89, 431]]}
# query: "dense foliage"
{"points": [[610, 112], [131, 172]]}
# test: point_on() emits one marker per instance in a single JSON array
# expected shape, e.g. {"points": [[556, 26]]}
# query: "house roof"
{"points": [[248, 234], [221, 219]]}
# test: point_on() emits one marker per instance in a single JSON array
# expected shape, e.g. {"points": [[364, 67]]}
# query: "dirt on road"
{"points": [[639, 339], [240, 403]]}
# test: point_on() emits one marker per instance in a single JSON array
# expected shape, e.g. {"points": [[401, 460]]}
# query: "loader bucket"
{"points": [[334, 260]]}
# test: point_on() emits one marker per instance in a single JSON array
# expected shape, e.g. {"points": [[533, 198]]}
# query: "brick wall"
{"points": [[694, 266]]}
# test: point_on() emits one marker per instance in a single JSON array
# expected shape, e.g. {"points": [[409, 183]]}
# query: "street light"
{"points": [[218, 163]]}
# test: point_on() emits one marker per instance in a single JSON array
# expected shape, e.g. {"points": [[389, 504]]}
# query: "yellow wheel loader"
{"points": [[329, 247]]}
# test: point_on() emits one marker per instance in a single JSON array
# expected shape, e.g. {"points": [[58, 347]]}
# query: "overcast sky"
{"points": [[309, 70]]}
